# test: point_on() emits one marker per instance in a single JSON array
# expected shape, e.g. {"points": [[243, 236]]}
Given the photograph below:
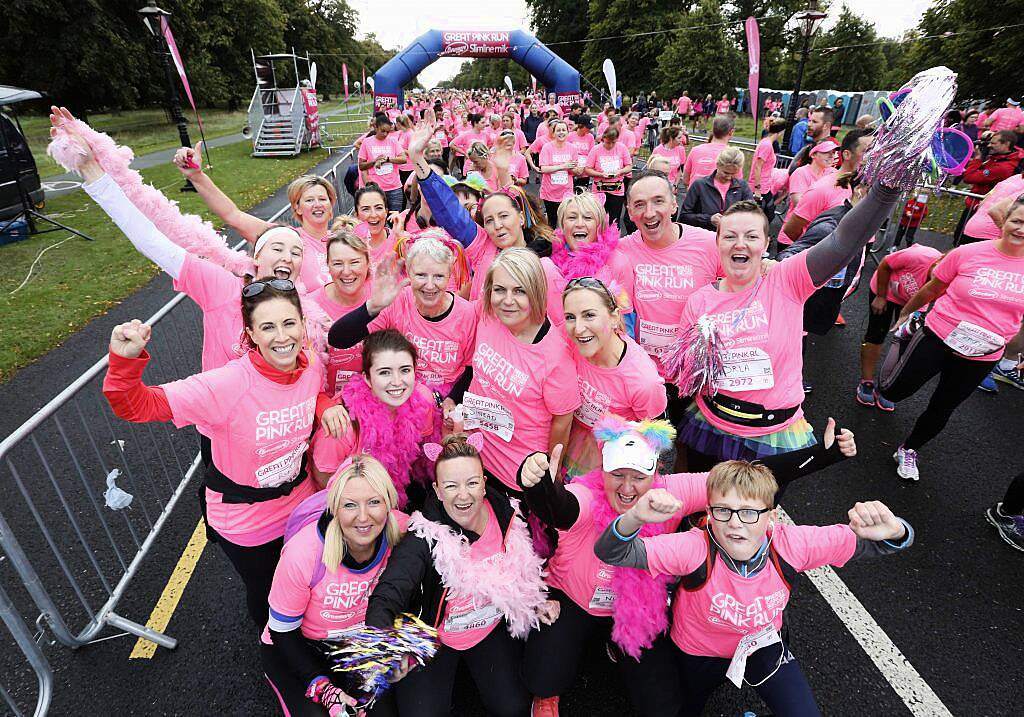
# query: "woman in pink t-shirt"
{"points": [[608, 164], [312, 201], [823, 156], [748, 400], [615, 374], [978, 295], [371, 205], [348, 260], [403, 130], [259, 413], [763, 164], [468, 566], [392, 414], [672, 149], [898, 277], [557, 162], [378, 156], [736, 578], [335, 549]]}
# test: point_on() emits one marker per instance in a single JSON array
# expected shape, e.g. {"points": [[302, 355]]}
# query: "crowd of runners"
{"points": [[533, 423]]}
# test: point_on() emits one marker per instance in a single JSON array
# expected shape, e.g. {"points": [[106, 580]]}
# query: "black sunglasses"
{"points": [[589, 282], [256, 288], [746, 515]]}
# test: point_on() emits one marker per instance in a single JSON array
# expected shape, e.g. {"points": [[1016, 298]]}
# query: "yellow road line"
{"points": [[172, 593]]}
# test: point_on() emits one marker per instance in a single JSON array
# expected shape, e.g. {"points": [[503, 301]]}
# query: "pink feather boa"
{"points": [[639, 613], [587, 259], [511, 580], [189, 231], [393, 438]]}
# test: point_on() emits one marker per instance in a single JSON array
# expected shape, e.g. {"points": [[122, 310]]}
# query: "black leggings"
{"points": [[786, 693], [613, 205], [879, 324], [551, 208], [255, 565], [908, 367], [1013, 503], [553, 656], [291, 693], [495, 666]]}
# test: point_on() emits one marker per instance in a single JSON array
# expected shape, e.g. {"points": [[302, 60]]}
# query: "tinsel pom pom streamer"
{"points": [[694, 362]]}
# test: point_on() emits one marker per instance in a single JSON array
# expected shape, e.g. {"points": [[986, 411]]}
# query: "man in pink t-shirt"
{"points": [[700, 162], [1009, 117], [683, 105]]}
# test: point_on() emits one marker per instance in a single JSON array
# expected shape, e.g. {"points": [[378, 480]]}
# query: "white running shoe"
{"points": [[906, 464]]}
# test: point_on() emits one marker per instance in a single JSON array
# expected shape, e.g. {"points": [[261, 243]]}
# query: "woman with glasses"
{"points": [[259, 413], [623, 605], [735, 580]]}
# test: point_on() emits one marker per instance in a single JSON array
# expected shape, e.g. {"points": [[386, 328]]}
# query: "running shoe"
{"points": [[866, 393], [883, 403], [1010, 527], [545, 707], [1013, 377], [906, 464], [988, 385], [808, 387]]}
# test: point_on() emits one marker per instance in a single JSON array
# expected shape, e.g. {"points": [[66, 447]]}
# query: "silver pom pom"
{"points": [[901, 150], [694, 361]]}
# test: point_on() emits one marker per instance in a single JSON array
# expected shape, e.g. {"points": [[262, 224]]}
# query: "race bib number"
{"points": [[489, 415], [603, 598], [581, 160], [342, 377], [469, 617], [610, 164], [560, 178], [655, 338], [342, 633], [747, 369], [969, 339], [282, 469], [589, 413], [748, 645], [385, 169]]}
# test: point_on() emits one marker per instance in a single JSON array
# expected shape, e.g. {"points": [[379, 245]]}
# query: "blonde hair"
{"points": [[344, 221], [752, 481], [369, 468], [585, 202], [525, 269], [659, 163], [347, 237], [299, 186], [603, 293], [730, 157]]}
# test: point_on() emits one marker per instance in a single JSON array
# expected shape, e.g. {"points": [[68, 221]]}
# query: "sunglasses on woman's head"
{"points": [[256, 288]]}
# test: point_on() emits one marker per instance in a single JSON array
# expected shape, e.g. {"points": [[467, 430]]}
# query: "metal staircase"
{"points": [[279, 136], [277, 117]]}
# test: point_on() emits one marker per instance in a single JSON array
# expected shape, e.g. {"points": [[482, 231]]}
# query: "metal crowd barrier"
{"points": [[73, 548], [37, 662]]}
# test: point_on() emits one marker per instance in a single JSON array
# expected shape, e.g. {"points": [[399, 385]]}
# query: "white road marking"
{"points": [[916, 694]]}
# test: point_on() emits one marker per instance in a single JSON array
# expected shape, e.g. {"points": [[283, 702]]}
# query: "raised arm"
{"points": [[840, 247], [130, 399], [187, 160], [552, 503]]}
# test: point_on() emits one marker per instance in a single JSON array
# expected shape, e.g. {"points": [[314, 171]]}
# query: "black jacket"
{"points": [[703, 200], [410, 583]]}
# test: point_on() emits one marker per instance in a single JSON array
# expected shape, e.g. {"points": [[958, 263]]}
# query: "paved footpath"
{"points": [[933, 632]]}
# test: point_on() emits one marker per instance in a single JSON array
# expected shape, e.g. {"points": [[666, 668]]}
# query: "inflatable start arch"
{"points": [[552, 71]]}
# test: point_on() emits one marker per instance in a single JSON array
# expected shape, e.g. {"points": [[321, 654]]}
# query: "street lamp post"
{"points": [[808, 22], [151, 15]]}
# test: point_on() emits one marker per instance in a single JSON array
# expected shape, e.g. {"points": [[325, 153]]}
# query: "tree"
{"points": [[635, 51], [558, 25], [486, 72], [852, 68], [776, 40], [701, 57]]}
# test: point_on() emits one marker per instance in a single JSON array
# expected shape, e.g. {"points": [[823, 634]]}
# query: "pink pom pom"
{"points": [[66, 152]]}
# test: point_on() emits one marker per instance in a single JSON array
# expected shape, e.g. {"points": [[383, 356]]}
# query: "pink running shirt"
{"points": [[386, 176], [342, 364], [676, 158], [909, 272], [980, 225], [218, 293], [556, 186]]}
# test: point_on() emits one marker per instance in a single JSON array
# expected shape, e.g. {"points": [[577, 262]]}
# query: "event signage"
{"points": [[309, 100], [568, 99], [384, 102], [475, 43]]}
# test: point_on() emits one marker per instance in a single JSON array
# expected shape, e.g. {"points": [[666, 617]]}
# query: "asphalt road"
{"points": [[952, 605]]}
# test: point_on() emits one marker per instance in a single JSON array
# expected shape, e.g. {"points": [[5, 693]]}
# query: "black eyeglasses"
{"points": [[256, 288], [746, 515]]}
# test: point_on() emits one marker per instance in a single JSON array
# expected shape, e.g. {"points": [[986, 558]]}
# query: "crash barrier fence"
{"points": [[85, 496]]}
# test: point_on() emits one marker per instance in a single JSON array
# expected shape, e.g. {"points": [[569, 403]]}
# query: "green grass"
{"points": [[79, 280], [148, 130]]}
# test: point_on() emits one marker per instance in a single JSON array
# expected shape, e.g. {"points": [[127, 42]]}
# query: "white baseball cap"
{"points": [[629, 450], [1011, 101]]}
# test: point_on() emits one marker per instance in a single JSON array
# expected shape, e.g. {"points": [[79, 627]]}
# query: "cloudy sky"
{"points": [[892, 17]]}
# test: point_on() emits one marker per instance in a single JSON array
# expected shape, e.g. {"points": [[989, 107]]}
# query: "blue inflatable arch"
{"points": [[551, 71]]}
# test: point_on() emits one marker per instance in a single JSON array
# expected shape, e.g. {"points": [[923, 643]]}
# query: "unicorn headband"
{"points": [[631, 444], [433, 450]]}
